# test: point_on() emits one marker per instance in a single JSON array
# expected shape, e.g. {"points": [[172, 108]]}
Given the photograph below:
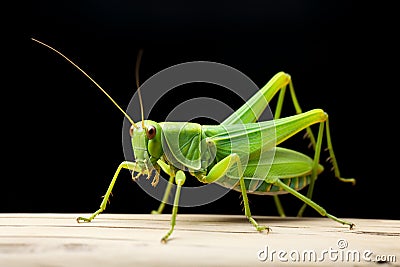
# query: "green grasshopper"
{"points": [[233, 154]]}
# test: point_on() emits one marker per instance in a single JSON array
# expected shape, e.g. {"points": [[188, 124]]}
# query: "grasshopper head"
{"points": [[146, 144]]}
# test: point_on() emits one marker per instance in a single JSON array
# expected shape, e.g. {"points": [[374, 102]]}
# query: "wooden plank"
{"points": [[198, 240]]}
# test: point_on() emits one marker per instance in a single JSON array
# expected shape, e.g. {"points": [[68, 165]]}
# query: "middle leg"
{"points": [[221, 169]]}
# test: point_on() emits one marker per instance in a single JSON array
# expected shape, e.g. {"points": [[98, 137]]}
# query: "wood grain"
{"points": [[198, 240]]}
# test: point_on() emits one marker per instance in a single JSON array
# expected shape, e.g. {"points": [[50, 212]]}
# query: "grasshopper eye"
{"points": [[131, 130], [151, 132]]}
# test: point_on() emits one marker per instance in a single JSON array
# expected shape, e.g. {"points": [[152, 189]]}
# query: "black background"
{"points": [[71, 134]]}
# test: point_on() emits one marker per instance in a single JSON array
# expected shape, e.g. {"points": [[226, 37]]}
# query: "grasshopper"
{"points": [[233, 154]]}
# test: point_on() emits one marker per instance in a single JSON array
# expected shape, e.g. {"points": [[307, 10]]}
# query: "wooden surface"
{"points": [[198, 240]]}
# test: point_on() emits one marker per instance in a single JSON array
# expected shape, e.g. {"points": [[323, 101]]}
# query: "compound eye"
{"points": [[131, 130], [151, 132]]}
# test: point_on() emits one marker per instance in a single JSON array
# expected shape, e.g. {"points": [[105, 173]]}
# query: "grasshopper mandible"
{"points": [[220, 153]]}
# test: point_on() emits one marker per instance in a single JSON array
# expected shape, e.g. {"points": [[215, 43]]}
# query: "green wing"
{"points": [[254, 138], [246, 140], [181, 143], [286, 163]]}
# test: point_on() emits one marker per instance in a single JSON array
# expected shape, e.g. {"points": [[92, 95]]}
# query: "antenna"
{"points": [[138, 60], [90, 78]]}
